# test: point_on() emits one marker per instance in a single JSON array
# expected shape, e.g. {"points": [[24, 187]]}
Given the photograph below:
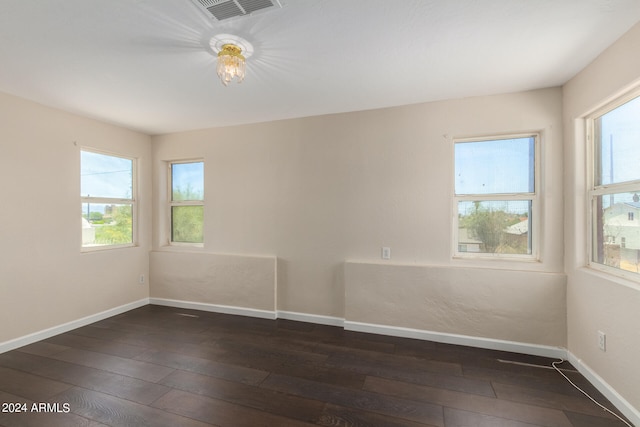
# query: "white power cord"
{"points": [[586, 394]]}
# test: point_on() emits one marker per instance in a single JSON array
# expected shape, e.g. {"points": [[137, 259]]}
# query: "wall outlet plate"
{"points": [[602, 341]]}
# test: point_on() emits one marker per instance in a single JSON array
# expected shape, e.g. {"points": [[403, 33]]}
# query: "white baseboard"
{"points": [[65, 327], [486, 343], [311, 318], [609, 392], [215, 308]]}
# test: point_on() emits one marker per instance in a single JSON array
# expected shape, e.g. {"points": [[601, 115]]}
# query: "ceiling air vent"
{"points": [[225, 9]]}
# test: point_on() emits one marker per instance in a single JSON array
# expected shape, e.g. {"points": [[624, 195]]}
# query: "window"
{"points": [[614, 134], [495, 196], [107, 192], [186, 201]]}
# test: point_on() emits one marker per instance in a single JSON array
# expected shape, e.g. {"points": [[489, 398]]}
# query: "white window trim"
{"points": [[171, 203], [133, 201], [536, 212], [594, 190]]}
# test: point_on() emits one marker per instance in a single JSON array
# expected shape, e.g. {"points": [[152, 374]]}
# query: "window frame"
{"points": [[595, 190], [534, 197], [133, 201], [171, 203]]}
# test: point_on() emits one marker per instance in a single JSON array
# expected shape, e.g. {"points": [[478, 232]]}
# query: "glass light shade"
{"points": [[231, 64]]}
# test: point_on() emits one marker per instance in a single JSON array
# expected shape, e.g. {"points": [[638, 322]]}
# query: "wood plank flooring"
{"points": [[161, 366]]}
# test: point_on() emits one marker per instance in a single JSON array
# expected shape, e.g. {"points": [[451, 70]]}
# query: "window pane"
{"points": [[106, 224], [187, 181], [617, 138], [617, 231], [186, 224], [501, 166], [496, 226], [105, 176]]}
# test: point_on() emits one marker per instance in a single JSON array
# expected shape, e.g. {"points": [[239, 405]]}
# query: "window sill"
{"points": [[612, 275], [501, 263], [100, 248], [492, 258], [182, 247]]}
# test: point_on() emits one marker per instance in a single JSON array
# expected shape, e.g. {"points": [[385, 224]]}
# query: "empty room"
{"points": [[320, 212]]}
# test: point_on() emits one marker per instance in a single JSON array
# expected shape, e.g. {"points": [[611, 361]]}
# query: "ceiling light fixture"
{"points": [[231, 64], [232, 53]]}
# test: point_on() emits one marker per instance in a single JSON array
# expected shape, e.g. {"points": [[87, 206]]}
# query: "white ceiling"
{"points": [[147, 64]]}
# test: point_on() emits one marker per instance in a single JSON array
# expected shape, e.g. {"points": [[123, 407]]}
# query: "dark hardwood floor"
{"points": [[159, 366]]}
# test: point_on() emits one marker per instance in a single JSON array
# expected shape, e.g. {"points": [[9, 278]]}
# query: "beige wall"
{"points": [[507, 305], [596, 302], [221, 280], [44, 279], [318, 191]]}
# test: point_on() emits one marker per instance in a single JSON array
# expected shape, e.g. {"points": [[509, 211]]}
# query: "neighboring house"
{"points": [[622, 235], [467, 243], [622, 225], [514, 236], [517, 235]]}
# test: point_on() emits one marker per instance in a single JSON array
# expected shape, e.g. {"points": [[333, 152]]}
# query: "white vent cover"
{"points": [[225, 9]]}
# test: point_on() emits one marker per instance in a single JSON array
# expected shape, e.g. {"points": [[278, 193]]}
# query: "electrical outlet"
{"points": [[141, 279], [602, 341], [386, 253]]}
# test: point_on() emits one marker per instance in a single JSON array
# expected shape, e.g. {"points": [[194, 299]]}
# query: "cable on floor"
{"points": [[586, 394]]}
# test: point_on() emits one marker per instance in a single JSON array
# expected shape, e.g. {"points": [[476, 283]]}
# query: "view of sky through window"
{"points": [[105, 176], [618, 143], [501, 166], [187, 181]]}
